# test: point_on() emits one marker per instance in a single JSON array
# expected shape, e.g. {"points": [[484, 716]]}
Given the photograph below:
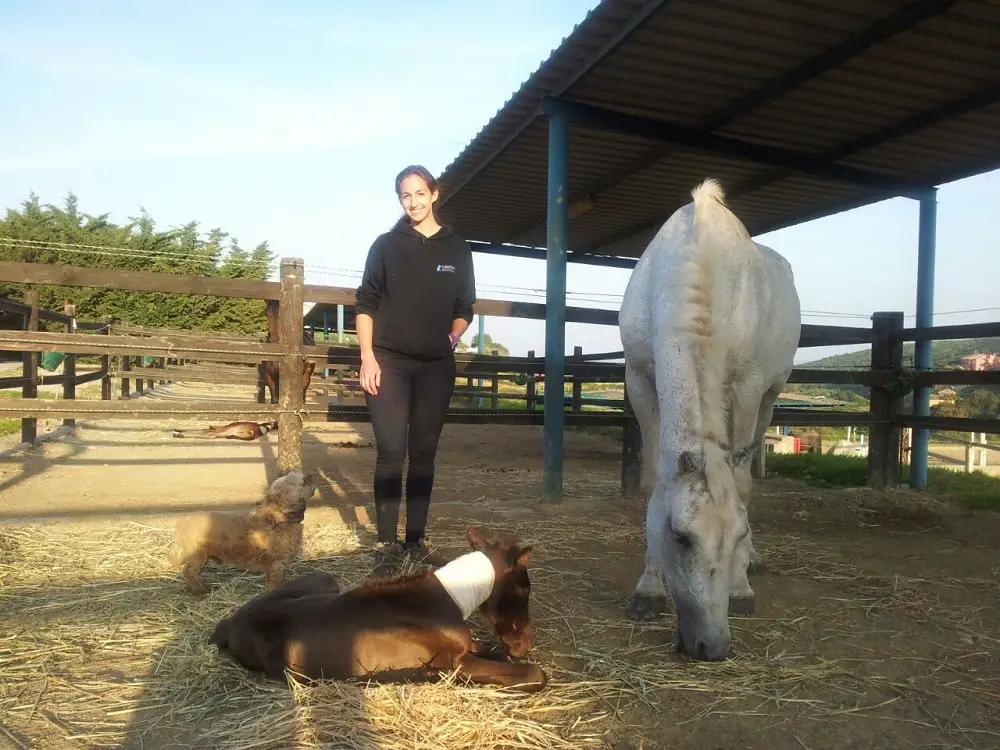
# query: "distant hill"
{"points": [[946, 355]]}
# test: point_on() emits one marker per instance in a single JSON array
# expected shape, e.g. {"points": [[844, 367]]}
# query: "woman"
{"points": [[414, 303]]}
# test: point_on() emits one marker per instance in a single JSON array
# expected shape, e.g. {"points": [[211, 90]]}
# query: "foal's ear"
{"points": [[474, 537], [523, 555]]}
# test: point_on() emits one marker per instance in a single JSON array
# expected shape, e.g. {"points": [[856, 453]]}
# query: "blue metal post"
{"points": [[481, 349], [555, 308], [340, 324], [926, 247]]}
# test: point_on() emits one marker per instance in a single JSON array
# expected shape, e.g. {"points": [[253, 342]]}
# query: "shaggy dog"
{"points": [[265, 538]]}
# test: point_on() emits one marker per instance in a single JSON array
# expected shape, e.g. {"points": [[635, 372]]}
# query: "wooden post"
{"points": [[758, 464], [126, 366], [883, 447], [577, 401], [495, 384], [631, 451], [139, 382], [106, 365], [69, 363], [529, 386], [29, 425], [290, 365]]}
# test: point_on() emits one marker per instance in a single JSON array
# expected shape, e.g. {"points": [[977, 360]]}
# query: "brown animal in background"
{"points": [[231, 431], [265, 538], [268, 371], [397, 627]]}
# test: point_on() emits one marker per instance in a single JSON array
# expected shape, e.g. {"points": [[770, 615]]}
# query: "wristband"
{"points": [[453, 339]]}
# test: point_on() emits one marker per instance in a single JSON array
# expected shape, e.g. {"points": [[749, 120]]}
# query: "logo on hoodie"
{"points": [[446, 269]]}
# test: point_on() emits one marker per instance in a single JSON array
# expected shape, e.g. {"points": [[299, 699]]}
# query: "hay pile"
{"points": [[102, 642]]}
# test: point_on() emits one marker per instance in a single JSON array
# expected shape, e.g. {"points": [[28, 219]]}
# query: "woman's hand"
{"points": [[370, 374]]}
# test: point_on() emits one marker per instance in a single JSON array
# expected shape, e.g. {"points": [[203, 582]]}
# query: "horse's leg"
{"points": [[649, 600], [527, 677], [746, 558]]}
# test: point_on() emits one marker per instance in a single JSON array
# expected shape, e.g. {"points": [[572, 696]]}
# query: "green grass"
{"points": [[13, 426], [9, 427], [976, 490]]}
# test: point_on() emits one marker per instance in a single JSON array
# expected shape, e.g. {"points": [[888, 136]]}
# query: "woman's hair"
{"points": [[421, 172]]}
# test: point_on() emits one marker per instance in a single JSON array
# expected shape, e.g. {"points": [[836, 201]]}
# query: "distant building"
{"points": [[978, 362], [944, 396]]}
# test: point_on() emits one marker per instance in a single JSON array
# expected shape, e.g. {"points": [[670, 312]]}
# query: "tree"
{"points": [[65, 235], [490, 347]]}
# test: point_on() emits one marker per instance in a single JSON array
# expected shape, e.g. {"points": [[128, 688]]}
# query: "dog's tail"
{"points": [[220, 636]]}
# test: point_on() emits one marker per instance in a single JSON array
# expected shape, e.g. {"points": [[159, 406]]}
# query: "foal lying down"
{"points": [[393, 628]]}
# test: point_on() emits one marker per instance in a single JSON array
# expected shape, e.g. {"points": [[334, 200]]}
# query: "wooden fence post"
{"points": [[29, 425], [577, 401], [631, 450], [883, 445], [106, 364], [529, 386], [290, 365], [495, 384], [69, 363], [126, 366]]}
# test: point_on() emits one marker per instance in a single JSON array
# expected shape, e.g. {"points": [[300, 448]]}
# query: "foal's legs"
{"points": [[526, 677]]}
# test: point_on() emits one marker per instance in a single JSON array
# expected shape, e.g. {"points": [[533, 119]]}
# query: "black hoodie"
{"points": [[414, 287]]}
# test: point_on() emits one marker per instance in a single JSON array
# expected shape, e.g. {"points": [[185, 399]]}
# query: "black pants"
{"points": [[407, 416]]}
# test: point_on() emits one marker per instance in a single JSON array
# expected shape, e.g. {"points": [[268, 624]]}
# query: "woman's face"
{"points": [[416, 198]]}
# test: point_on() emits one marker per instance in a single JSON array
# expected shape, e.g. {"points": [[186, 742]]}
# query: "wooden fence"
{"points": [[199, 356]]}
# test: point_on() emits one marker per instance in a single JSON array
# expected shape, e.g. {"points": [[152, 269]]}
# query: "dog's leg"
{"points": [[192, 570], [275, 575]]}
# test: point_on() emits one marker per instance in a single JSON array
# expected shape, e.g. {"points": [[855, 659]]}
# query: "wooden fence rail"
{"points": [[221, 358]]}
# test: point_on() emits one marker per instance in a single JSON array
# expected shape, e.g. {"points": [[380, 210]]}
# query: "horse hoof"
{"points": [[741, 606], [641, 607]]}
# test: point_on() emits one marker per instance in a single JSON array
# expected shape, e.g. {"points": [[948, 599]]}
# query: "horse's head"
{"points": [[506, 609], [703, 522]]}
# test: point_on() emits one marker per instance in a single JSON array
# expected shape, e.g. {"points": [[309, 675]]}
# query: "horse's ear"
{"points": [[474, 537], [688, 463]]}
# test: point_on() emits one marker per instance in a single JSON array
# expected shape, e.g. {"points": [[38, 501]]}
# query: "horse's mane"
{"points": [[712, 224], [389, 583]]}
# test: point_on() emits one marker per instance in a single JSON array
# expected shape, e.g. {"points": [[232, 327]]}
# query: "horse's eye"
{"points": [[684, 540]]}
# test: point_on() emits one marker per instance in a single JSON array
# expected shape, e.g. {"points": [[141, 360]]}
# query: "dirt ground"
{"points": [[877, 620]]}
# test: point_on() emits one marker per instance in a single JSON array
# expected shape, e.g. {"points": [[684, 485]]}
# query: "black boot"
{"points": [[388, 551], [418, 501]]}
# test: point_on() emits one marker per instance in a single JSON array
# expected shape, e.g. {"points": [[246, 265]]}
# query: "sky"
{"points": [[290, 125]]}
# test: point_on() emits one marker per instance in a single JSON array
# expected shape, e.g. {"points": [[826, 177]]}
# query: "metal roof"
{"points": [[893, 89]]}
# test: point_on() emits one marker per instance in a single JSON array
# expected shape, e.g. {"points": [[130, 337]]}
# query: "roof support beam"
{"points": [[909, 16], [972, 102], [631, 25], [601, 118], [538, 253]]}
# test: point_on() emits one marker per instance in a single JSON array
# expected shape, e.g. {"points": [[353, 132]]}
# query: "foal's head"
{"points": [[506, 609]]}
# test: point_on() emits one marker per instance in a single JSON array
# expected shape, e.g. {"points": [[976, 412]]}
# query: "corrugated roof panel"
{"points": [[691, 63]]}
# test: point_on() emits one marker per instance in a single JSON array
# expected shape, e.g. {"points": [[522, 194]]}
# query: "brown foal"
{"points": [[412, 626]]}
